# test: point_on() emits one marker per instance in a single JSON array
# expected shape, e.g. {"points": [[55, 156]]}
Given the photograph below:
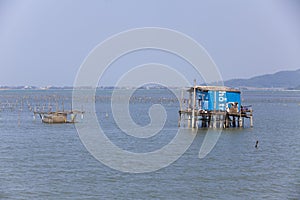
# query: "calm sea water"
{"points": [[44, 161]]}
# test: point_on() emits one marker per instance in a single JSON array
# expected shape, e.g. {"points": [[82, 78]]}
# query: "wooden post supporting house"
{"points": [[194, 106]]}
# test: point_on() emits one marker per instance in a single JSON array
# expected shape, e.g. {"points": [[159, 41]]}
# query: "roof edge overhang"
{"points": [[214, 88]]}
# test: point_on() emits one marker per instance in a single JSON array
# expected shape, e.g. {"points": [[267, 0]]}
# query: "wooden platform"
{"points": [[214, 119]]}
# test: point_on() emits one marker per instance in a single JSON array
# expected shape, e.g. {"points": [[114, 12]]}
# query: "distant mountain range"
{"points": [[279, 80], [282, 79]]}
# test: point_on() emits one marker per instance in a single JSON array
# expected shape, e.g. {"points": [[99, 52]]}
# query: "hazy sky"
{"points": [[44, 42]]}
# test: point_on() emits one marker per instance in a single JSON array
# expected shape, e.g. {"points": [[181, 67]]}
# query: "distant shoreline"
{"points": [[23, 88]]}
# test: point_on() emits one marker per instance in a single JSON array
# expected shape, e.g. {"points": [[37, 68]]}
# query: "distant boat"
{"points": [[58, 117]]}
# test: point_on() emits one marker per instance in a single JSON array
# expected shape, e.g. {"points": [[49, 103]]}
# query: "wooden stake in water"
{"points": [[19, 118]]}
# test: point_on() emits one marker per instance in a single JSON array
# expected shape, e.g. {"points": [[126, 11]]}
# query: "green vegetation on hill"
{"points": [[282, 79]]}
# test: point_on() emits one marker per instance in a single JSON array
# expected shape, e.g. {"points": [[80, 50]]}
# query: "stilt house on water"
{"points": [[213, 107]]}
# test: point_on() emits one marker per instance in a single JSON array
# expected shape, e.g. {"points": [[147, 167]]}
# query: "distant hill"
{"points": [[282, 79]]}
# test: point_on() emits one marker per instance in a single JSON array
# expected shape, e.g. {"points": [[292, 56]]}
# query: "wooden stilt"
{"points": [[240, 122], [179, 119], [233, 121]]}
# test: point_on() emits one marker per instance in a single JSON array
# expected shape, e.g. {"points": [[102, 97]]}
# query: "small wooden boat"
{"points": [[58, 116]]}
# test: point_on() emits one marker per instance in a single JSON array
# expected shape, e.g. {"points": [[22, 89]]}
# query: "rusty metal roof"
{"points": [[214, 88]]}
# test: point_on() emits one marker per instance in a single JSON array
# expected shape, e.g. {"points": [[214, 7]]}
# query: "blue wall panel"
{"points": [[217, 100]]}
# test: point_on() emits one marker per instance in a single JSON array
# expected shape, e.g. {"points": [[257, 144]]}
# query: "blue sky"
{"points": [[45, 42]]}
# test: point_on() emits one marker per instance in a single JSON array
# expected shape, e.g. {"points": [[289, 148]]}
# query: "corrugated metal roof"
{"points": [[214, 88]]}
